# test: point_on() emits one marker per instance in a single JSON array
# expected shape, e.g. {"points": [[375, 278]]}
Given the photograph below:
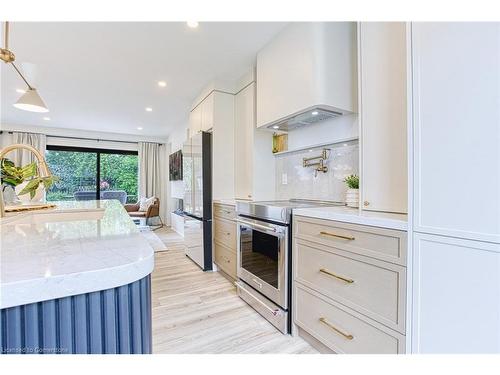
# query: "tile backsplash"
{"points": [[295, 181]]}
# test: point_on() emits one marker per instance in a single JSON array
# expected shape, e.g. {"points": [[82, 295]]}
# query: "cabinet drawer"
{"points": [[384, 244], [226, 259], [340, 330], [225, 233], [373, 288], [224, 211]]}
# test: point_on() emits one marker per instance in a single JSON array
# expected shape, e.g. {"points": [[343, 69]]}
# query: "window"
{"points": [[86, 174]]}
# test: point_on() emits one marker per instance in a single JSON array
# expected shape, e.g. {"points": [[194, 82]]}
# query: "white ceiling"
{"points": [[101, 76]]}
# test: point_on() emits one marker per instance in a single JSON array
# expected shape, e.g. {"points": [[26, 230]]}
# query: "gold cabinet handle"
{"points": [[328, 324], [336, 235], [348, 281]]}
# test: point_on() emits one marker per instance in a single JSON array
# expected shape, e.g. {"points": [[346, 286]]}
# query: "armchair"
{"points": [[153, 211]]}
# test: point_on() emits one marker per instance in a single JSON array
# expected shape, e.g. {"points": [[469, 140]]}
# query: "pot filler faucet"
{"points": [[43, 168], [320, 164]]}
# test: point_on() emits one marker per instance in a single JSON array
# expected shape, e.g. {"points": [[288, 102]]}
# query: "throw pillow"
{"points": [[144, 203]]}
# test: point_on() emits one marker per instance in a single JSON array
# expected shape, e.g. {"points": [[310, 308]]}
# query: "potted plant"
{"points": [[23, 180], [352, 193]]}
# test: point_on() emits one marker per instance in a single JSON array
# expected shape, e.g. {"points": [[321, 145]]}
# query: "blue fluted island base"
{"points": [[116, 320]]}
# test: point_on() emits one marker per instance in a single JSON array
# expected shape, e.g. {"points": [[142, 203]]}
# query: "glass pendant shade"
{"points": [[31, 101]]}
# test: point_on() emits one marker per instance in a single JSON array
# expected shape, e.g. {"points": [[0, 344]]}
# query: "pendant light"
{"points": [[30, 100]]}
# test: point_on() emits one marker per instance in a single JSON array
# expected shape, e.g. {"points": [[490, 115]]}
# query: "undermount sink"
{"points": [[41, 217]]}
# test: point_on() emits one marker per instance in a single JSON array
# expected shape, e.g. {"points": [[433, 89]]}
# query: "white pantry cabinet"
{"points": [[382, 77], [456, 101], [253, 158], [456, 302], [456, 187]]}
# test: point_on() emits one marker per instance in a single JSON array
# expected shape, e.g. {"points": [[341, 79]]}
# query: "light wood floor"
{"points": [[200, 312]]}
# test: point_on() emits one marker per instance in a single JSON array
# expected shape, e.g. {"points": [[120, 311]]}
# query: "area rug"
{"points": [[153, 239]]}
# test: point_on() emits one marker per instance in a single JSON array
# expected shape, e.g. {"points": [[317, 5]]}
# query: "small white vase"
{"points": [[352, 198], [25, 198]]}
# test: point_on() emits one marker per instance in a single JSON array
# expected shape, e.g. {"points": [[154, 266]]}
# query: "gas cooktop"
{"points": [[278, 211]]}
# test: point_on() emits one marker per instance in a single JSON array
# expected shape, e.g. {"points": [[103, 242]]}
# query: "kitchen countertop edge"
{"points": [[354, 216]]}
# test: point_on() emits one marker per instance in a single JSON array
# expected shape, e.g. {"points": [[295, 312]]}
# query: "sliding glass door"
{"points": [[87, 174]]}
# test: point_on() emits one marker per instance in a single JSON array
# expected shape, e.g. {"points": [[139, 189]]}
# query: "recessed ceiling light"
{"points": [[139, 128], [276, 127], [20, 91], [192, 24], [149, 109], [46, 118], [314, 113], [162, 83]]}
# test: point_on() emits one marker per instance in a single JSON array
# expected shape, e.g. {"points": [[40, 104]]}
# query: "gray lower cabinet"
{"points": [[349, 291], [116, 320]]}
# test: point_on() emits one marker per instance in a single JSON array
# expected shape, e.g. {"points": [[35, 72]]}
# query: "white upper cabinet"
{"points": [[383, 116], [456, 105], [195, 120], [254, 161], [223, 146], [307, 65], [244, 124], [207, 112]]}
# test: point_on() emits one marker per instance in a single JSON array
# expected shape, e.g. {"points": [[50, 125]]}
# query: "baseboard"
{"points": [[319, 346]]}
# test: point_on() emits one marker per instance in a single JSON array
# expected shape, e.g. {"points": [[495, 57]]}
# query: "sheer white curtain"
{"points": [[150, 170], [21, 158]]}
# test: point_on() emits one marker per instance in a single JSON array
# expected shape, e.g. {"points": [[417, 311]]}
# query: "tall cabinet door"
{"points": [[456, 295], [383, 116], [456, 184], [244, 115], [456, 101]]}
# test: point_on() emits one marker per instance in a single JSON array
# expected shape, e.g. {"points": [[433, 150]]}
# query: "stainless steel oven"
{"points": [[262, 258]]}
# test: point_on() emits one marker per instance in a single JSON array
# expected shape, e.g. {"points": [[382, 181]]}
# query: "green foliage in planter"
{"points": [[352, 181], [13, 176]]}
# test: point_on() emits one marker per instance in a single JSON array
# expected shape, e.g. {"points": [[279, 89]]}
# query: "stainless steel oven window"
{"points": [[262, 258]]}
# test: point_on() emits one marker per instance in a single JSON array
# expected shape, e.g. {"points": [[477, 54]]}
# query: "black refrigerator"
{"points": [[197, 178]]}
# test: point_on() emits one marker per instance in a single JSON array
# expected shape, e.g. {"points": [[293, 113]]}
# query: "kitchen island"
{"points": [[75, 279]]}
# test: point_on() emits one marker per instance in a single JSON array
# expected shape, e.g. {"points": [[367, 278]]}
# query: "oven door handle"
{"points": [[257, 226]]}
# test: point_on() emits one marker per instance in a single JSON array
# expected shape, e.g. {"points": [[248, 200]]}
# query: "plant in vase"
{"points": [[352, 193], [23, 180]]}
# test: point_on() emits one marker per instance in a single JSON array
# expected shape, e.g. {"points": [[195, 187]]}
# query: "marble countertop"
{"points": [[355, 216], [77, 247]]}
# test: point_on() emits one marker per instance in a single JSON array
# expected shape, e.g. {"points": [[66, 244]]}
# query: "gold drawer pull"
{"points": [[336, 235], [325, 322], [349, 281]]}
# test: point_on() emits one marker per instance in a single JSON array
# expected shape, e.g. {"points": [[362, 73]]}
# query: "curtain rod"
{"points": [[87, 139]]}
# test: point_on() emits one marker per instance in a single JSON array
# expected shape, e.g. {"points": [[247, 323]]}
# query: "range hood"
{"points": [[310, 116], [307, 74]]}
